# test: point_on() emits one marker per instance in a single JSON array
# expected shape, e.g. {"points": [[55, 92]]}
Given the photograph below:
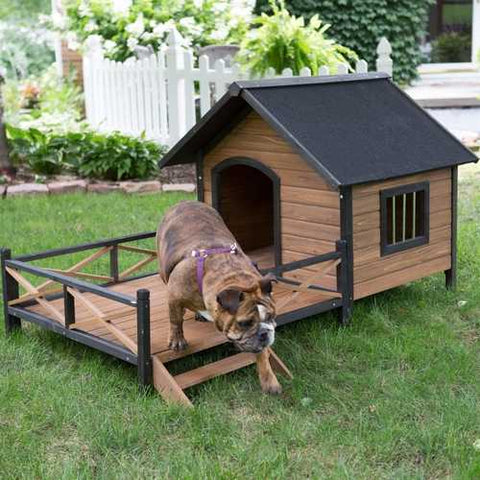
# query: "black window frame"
{"points": [[386, 248]]}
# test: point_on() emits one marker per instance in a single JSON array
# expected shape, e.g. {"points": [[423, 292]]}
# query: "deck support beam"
{"points": [[451, 274], [144, 362], [10, 292]]}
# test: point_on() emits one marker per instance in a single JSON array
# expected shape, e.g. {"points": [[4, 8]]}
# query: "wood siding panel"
{"points": [[310, 208], [374, 273]]}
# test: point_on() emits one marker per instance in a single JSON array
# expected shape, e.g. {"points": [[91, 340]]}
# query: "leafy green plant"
{"points": [[451, 47], [38, 150], [282, 40], [114, 156], [360, 25], [90, 154]]}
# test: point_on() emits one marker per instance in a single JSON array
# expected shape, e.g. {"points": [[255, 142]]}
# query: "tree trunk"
{"points": [[6, 166]]}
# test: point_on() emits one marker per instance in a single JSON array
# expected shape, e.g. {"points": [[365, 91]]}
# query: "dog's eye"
{"points": [[245, 323]]}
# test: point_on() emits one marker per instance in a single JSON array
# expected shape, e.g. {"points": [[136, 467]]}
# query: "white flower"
{"points": [[147, 36], [121, 7], [476, 444], [137, 27], [72, 41], [220, 7], [109, 46], [198, 3], [132, 43], [219, 34], [91, 26], [84, 10], [191, 26], [159, 30]]}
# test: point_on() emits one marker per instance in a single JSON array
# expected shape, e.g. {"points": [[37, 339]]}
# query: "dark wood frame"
{"points": [[346, 273], [250, 162], [386, 248], [451, 274]]}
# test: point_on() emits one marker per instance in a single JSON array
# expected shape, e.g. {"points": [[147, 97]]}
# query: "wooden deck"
{"points": [[200, 335], [110, 322]]}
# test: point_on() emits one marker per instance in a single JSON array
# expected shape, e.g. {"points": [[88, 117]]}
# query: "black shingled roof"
{"points": [[352, 129]]}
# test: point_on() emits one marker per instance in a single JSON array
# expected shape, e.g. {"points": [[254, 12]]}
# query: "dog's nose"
{"points": [[263, 336]]}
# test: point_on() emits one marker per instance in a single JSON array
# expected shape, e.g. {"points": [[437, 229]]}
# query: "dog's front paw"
{"points": [[272, 387], [177, 344]]}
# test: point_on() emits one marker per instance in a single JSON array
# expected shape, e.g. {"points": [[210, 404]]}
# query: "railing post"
{"points": [[69, 307], [144, 365], [114, 263], [10, 292]]}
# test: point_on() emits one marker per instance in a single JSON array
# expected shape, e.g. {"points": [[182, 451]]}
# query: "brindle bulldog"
{"points": [[207, 272]]}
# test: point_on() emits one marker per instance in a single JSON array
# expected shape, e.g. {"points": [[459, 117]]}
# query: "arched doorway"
{"points": [[246, 193]]}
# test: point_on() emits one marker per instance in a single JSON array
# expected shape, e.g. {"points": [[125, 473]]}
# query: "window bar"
{"points": [[414, 213], [394, 233], [404, 219]]}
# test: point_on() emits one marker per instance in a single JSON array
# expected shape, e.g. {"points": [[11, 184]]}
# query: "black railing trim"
{"points": [[72, 282]]}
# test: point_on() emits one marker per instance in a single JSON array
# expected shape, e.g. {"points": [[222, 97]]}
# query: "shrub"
{"points": [[451, 47], [360, 25], [282, 40], [147, 23], [90, 154]]}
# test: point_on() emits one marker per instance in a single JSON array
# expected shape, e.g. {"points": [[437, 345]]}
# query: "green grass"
{"points": [[395, 395]]}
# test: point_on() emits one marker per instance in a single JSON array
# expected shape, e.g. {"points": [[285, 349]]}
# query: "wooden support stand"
{"points": [[172, 388]]}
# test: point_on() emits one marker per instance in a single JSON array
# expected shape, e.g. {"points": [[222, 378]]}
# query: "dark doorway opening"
{"points": [[245, 196]]}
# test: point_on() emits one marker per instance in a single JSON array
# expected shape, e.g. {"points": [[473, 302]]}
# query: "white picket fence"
{"points": [[164, 95]]}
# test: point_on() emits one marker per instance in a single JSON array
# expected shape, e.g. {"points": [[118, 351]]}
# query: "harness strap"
{"points": [[201, 256]]}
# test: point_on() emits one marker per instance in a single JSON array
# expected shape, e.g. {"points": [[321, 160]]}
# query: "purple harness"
{"points": [[201, 256]]}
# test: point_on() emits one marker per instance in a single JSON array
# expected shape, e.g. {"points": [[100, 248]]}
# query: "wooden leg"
{"points": [[278, 366], [268, 380], [10, 292], [167, 386], [451, 279]]}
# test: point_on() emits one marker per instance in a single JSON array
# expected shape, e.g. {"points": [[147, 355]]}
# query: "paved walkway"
{"points": [[442, 90]]}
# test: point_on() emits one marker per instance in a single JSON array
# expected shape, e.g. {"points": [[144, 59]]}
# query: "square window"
{"points": [[404, 217]]}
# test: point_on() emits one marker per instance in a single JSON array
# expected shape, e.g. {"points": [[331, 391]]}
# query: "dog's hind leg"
{"points": [[177, 341]]}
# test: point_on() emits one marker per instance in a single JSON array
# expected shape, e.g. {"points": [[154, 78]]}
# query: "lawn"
{"points": [[395, 395]]}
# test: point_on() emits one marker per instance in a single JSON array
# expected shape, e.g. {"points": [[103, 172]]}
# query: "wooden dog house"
{"points": [[340, 185], [295, 164]]}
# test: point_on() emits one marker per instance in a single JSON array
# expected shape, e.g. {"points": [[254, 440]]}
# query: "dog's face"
{"points": [[247, 316]]}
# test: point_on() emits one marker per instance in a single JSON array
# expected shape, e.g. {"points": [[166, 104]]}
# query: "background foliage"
{"points": [[90, 154], [25, 49], [23, 9], [360, 24], [147, 22], [282, 40]]}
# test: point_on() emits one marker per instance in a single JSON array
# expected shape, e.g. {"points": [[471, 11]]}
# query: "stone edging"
{"points": [[56, 188]]}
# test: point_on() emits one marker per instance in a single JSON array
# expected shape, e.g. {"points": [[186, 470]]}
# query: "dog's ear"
{"points": [[230, 299], [266, 283]]}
